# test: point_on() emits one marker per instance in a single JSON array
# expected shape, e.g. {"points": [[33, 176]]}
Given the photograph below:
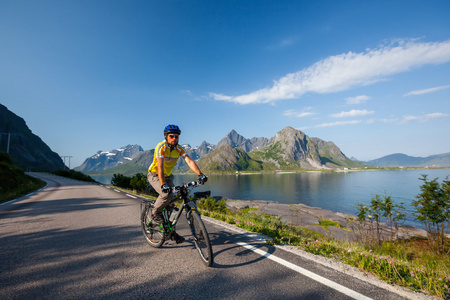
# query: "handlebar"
{"points": [[193, 183]]}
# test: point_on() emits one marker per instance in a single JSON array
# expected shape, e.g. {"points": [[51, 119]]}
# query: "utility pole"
{"points": [[9, 140], [64, 157]]}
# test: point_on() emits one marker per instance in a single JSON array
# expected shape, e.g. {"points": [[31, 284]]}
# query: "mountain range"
{"points": [[26, 149], [288, 149], [403, 160], [106, 160]]}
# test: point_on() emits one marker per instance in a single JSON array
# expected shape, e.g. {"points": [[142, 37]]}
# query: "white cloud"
{"points": [[334, 124], [353, 113], [426, 91], [344, 71], [220, 97], [340, 123], [283, 43], [410, 118], [357, 99], [422, 119], [302, 114]]}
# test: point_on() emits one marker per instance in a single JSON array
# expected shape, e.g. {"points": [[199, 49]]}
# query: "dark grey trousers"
{"points": [[163, 199]]}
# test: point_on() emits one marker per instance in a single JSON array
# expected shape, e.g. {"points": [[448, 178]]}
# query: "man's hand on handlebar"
{"points": [[165, 188], [202, 178]]}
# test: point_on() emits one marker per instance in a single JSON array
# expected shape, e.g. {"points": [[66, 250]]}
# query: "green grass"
{"points": [[13, 180], [407, 263]]}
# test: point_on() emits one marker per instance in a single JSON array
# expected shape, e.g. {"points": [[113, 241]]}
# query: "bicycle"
{"points": [[156, 235]]}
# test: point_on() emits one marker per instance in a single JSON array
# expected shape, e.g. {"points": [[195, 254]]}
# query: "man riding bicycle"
{"points": [[160, 174]]}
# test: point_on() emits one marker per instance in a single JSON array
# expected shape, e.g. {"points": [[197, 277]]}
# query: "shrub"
{"points": [[433, 210], [121, 180], [139, 182], [371, 219]]}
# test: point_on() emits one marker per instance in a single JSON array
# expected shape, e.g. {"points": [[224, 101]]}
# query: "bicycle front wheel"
{"points": [[201, 238], [153, 235]]}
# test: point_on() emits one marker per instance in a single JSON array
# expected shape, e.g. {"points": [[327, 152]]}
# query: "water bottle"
{"points": [[174, 214]]}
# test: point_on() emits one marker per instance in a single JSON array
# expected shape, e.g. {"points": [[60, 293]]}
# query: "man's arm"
{"points": [[192, 164], [160, 162]]}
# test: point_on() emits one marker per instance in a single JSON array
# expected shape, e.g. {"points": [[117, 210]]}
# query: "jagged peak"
{"points": [[289, 132]]}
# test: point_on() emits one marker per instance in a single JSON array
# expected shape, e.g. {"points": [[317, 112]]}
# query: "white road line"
{"points": [[117, 191], [8, 202], [131, 196], [318, 278]]}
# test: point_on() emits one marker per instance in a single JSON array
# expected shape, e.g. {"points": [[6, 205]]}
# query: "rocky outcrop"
{"points": [[227, 158], [291, 149], [236, 140], [197, 152]]}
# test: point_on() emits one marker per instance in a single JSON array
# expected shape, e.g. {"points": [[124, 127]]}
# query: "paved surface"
{"points": [[73, 240]]}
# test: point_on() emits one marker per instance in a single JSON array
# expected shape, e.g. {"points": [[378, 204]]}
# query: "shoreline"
{"points": [[310, 218]]}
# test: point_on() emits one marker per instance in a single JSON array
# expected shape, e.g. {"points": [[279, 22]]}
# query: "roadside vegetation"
{"points": [[13, 180], [74, 175]]}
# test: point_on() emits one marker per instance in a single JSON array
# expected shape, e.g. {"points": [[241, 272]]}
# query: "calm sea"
{"points": [[335, 191]]}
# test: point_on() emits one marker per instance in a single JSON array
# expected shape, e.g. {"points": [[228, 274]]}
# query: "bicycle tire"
{"points": [[201, 238], [153, 236]]}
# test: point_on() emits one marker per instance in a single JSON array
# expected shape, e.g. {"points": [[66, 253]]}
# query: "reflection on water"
{"points": [[336, 191]]}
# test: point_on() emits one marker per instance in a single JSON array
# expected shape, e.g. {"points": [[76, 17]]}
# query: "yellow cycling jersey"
{"points": [[170, 157]]}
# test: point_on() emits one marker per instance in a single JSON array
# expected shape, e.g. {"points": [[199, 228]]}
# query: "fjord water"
{"points": [[335, 191]]}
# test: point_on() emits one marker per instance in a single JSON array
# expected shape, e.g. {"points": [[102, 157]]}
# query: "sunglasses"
{"points": [[172, 136]]}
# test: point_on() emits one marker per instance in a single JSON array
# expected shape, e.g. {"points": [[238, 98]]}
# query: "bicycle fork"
{"points": [[188, 217]]}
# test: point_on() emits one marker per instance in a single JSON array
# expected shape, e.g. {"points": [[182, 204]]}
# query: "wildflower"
{"points": [[440, 279], [366, 255], [412, 274], [370, 251], [372, 262]]}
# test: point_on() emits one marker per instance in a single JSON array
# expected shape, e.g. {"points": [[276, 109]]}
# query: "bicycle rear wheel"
{"points": [[153, 235], [201, 238]]}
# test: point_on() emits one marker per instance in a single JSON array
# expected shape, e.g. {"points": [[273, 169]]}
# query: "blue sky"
{"points": [[371, 76]]}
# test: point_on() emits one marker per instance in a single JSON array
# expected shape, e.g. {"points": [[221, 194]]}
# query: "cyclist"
{"points": [[160, 174]]}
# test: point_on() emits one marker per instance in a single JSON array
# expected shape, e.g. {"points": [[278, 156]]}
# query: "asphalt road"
{"points": [[73, 240]]}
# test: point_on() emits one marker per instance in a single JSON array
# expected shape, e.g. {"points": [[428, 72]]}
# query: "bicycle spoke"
{"points": [[201, 238], [152, 234]]}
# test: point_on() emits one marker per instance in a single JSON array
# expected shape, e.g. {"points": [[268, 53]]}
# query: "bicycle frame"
{"points": [[182, 193]]}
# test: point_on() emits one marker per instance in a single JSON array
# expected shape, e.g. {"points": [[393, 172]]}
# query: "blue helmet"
{"points": [[172, 129]]}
